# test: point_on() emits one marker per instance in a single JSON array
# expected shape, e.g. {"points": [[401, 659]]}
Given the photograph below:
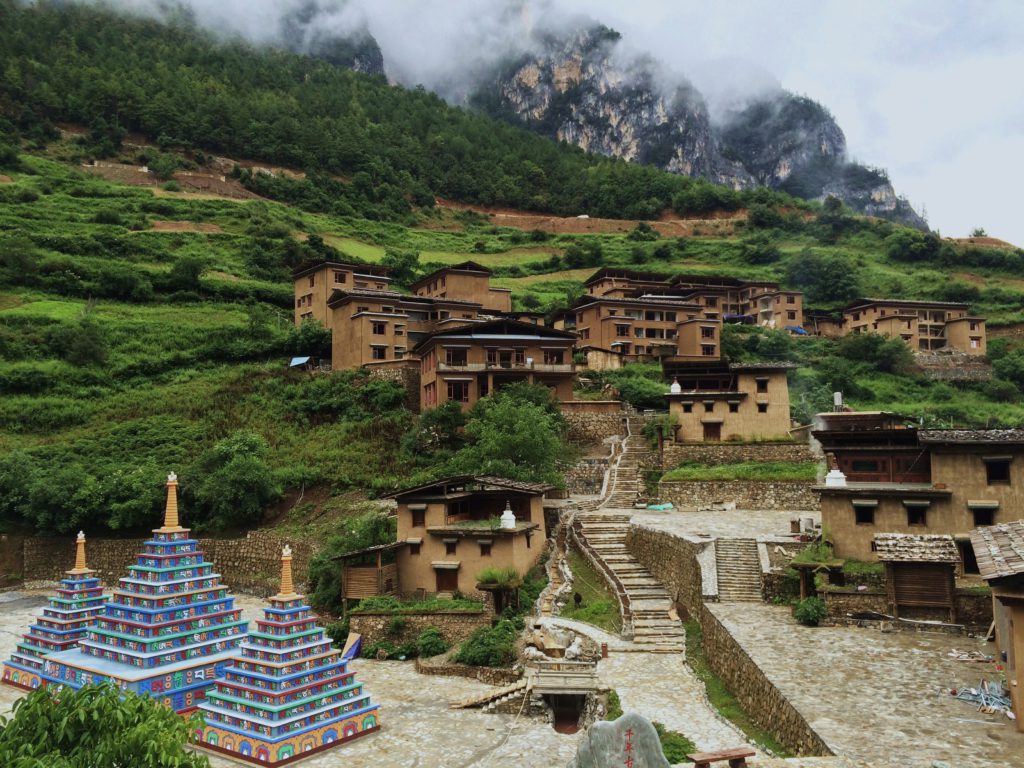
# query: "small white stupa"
{"points": [[508, 517], [675, 389]]}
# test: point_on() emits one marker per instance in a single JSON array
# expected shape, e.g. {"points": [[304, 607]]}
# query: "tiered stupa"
{"points": [[63, 622], [168, 630], [289, 694]]}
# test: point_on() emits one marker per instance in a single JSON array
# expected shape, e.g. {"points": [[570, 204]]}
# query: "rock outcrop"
{"points": [[582, 88]]}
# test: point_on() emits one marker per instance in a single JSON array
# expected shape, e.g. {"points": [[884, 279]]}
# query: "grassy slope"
{"points": [[157, 368]]}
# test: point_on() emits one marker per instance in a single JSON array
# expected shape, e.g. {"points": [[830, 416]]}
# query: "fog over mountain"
{"points": [[919, 87]]}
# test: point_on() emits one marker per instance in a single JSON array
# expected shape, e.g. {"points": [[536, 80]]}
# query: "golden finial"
{"points": [[80, 566], [171, 513], [287, 587]]}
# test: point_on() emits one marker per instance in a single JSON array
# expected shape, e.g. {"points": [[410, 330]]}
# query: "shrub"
{"points": [[108, 216], [506, 578], [489, 646], [614, 706], [810, 611], [338, 632], [431, 643], [674, 745], [396, 626]]}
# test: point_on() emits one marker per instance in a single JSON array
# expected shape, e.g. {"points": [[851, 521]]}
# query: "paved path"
{"points": [[876, 696]]}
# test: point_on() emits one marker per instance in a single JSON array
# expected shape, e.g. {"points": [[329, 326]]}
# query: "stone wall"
{"points": [[593, 421], [758, 696], [674, 561], [732, 453], [251, 564], [490, 675], [586, 477], [454, 626], [701, 494], [973, 610], [12, 559], [404, 374]]}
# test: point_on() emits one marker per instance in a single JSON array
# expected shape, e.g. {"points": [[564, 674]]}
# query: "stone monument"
{"points": [[629, 742]]}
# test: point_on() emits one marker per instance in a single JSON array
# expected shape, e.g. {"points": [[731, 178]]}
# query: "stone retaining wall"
{"points": [[454, 626], [593, 421], [732, 453], [442, 666], [700, 494], [973, 610], [586, 477], [251, 564], [402, 373], [674, 562]]}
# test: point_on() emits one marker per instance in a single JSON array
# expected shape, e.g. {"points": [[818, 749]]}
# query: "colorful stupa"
{"points": [[168, 630], [63, 622], [289, 694]]}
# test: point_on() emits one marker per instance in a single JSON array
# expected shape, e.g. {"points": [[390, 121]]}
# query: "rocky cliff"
{"points": [[303, 30], [582, 88]]}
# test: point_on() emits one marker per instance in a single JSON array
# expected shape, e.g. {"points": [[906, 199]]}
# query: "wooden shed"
{"points": [[369, 572], [1000, 553], [920, 574]]}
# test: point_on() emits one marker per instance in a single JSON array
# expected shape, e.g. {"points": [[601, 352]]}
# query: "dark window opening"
{"points": [[762, 386], [414, 549], [379, 353], [917, 516], [458, 391], [687, 407], [418, 517], [455, 356], [984, 517], [734, 407], [762, 407], [997, 471], [864, 515], [485, 549], [449, 547]]}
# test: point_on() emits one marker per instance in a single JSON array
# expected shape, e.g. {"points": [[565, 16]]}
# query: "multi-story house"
{"points": [[467, 281], [451, 530], [925, 326], [712, 402], [316, 283], [373, 327], [891, 477], [469, 362]]}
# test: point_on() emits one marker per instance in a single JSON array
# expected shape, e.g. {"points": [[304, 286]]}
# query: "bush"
{"points": [[431, 643], [507, 578], [674, 745], [396, 626], [810, 611], [489, 646], [614, 706]]}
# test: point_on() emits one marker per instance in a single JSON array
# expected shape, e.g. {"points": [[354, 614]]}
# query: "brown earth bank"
{"points": [[186, 226], [984, 242], [6, 179], [668, 224]]}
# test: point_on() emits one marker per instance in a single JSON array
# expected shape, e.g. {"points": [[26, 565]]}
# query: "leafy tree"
{"points": [[979, 232], [84, 343], [761, 216], [886, 355], [643, 232], [97, 725], [823, 279], [185, 273], [911, 245], [404, 265], [309, 338], [437, 433], [759, 249], [367, 530], [231, 484], [515, 433]]}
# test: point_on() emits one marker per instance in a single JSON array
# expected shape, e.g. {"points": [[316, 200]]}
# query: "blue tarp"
{"points": [[797, 330], [299, 361]]}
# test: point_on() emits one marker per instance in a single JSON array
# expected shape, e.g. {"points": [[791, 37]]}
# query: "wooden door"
{"points": [[713, 432], [447, 579]]}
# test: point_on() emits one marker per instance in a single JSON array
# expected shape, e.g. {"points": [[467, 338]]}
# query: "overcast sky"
{"points": [[927, 89]]}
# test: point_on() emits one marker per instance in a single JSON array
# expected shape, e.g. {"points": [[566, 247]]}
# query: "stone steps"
{"points": [[739, 570]]}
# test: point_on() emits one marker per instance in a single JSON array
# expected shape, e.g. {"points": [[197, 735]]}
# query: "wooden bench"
{"points": [[737, 757]]}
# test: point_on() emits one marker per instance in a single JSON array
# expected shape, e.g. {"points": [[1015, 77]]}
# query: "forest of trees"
{"points": [[370, 149]]}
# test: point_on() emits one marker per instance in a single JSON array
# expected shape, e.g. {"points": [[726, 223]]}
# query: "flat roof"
{"points": [[489, 482], [868, 301], [971, 436], [369, 269]]}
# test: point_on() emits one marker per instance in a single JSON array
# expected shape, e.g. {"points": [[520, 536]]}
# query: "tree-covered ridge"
{"points": [[394, 147]]}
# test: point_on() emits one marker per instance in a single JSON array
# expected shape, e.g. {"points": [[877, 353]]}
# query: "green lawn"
{"points": [[762, 471], [599, 606]]}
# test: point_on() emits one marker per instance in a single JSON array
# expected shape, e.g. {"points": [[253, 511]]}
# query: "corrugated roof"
{"points": [[916, 548], [999, 549]]}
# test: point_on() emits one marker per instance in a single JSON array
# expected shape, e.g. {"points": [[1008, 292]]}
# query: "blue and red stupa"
{"points": [[289, 693], [63, 622], [169, 629]]}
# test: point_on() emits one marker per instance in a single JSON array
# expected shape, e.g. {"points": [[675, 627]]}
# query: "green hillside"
{"points": [[144, 329]]}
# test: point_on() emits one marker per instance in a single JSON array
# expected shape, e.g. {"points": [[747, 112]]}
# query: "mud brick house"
{"points": [[1000, 553], [719, 401], [891, 477], [467, 281], [925, 326], [316, 283], [467, 363], [452, 529]]}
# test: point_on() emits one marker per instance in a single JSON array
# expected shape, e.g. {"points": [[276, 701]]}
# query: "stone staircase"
{"points": [[647, 603], [739, 571], [624, 481], [493, 699]]}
